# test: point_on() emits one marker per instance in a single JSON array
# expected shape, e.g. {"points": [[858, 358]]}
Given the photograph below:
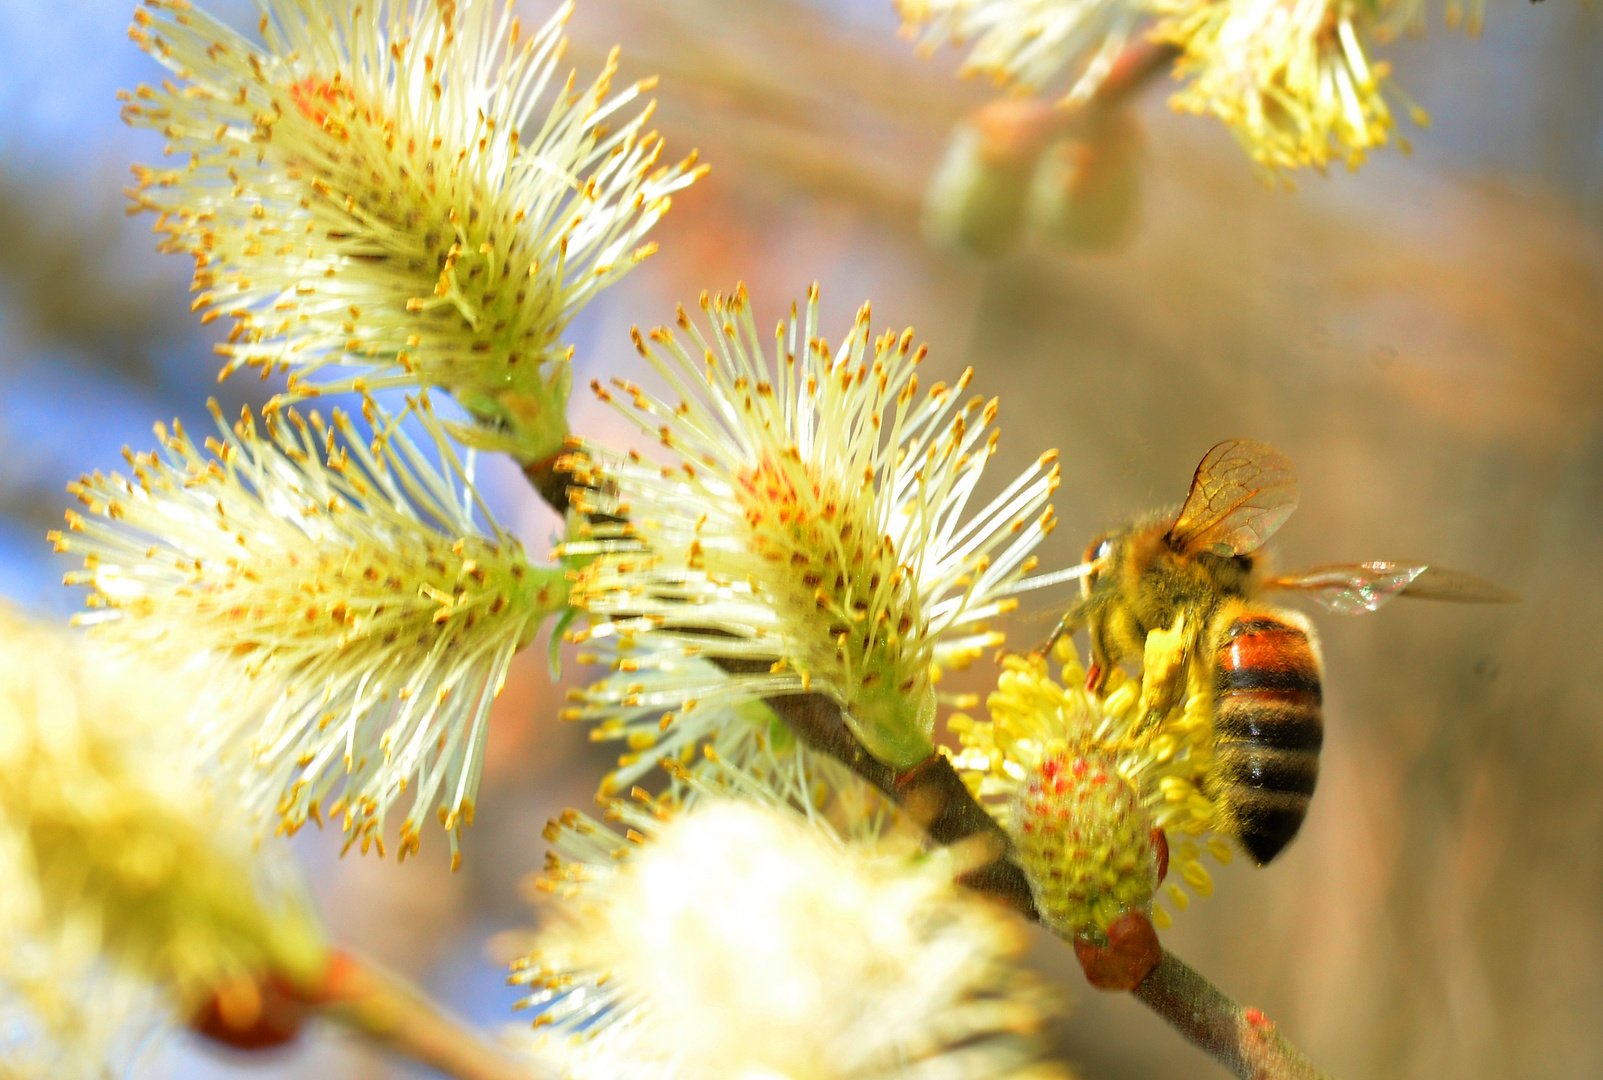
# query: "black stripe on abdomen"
{"points": [[1282, 720], [1297, 679], [1264, 821], [1290, 772]]}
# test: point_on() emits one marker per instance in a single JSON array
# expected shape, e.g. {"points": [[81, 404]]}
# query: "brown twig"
{"points": [[399, 1017], [931, 791], [1244, 1041], [1138, 65]]}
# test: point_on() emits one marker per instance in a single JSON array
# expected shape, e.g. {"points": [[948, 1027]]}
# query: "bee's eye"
{"points": [[1098, 552]]}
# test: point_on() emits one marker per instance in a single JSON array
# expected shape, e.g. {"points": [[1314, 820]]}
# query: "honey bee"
{"points": [[1180, 591]]}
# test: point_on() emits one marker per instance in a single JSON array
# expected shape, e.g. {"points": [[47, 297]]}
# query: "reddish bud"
{"points": [[269, 1010], [251, 1014], [1129, 956], [1086, 192]]}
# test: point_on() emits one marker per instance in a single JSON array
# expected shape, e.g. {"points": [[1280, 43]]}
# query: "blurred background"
{"points": [[1424, 338]]}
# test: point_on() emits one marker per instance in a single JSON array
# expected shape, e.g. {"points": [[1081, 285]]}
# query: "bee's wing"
{"points": [[1351, 588], [1440, 583], [1242, 492]]}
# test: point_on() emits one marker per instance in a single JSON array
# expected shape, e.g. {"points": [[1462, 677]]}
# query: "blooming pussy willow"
{"points": [[1290, 78], [1409, 16], [1028, 43], [808, 536], [121, 869], [736, 941], [61, 1022], [352, 581], [1081, 785], [755, 757], [358, 198]]}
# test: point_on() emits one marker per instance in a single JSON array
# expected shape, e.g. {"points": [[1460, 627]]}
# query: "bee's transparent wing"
{"points": [[1353, 588], [1440, 583], [1242, 492]]}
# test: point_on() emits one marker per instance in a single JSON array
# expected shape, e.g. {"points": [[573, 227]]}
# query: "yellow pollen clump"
{"points": [[1040, 730]]}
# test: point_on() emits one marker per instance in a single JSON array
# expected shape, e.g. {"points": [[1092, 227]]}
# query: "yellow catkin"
{"points": [[812, 525], [1081, 788], [121, 869], [340, 586], [361, 207], [1292, 80], [1085, 842], [737, 941]]}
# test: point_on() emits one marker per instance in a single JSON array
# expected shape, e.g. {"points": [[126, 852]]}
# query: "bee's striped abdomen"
{"points": [[1267, 727]]}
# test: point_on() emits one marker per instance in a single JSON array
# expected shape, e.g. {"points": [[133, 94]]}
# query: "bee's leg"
{"points": [[1075, 618], [1105, 656], [1163, 670]]}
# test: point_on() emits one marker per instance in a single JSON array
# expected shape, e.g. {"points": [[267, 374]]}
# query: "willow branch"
{"points": [[1245, 1041], [1242, 1040], [1136, 66], [391, 1012], [931, 791]]}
